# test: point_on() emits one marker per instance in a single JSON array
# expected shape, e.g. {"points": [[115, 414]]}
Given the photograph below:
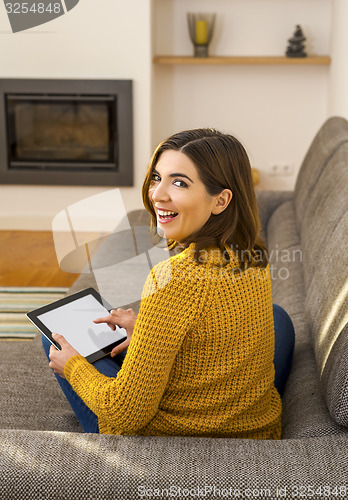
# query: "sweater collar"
{"points": [[211, 255]]}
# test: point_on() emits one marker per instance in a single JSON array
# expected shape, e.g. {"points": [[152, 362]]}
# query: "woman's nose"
{"points": [[160, 193]]}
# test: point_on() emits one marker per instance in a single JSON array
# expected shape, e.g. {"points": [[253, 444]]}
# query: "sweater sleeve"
{"points": [[169, 307]]}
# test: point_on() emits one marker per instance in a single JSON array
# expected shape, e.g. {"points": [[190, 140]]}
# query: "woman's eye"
{"points": [[156, 177], [180, 183]]}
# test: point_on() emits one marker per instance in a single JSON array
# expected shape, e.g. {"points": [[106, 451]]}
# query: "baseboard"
{"points": [[26, 223]]}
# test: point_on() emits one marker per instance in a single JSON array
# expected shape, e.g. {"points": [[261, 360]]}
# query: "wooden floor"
{"points": [[28, 258]]}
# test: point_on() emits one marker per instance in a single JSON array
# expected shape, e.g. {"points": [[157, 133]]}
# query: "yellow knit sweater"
{"points": [[200, 362]]}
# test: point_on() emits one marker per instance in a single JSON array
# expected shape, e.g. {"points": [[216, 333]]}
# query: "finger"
{"points": [[114, 312], [50, 364], [51, 351], [119, 348], [105, 320], [59, 338], [102, 320]]}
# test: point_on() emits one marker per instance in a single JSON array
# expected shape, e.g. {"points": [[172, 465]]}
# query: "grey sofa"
{"points": [[44, 453]]}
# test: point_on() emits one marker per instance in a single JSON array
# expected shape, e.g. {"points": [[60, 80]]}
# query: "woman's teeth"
{"points": [[163, 213]]}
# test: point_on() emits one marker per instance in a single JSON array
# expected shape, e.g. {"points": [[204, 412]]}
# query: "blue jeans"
{"points": [[107, 366], [284, 346]]}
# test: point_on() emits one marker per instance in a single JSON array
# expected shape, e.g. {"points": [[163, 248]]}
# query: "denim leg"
{"points": [[284, 346], [107, 366]]}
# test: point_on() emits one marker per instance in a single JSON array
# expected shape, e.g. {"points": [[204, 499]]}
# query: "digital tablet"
{"points": [[73, 318]]}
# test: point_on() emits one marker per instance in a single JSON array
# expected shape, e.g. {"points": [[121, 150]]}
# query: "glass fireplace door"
{"points": [[58, 132]]}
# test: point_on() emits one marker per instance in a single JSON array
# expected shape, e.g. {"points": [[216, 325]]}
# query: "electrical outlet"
{"points": [[281, 169], [274, 169], [288, 169]]}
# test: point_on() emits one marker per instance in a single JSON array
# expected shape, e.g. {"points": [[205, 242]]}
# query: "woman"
{"points": [[200, 353]]}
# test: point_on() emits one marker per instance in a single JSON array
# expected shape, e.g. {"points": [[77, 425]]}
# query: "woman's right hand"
{"points": [[124, 318]]}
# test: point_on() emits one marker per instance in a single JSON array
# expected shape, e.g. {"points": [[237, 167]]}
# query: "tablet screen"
{"points": [[74, 321]]}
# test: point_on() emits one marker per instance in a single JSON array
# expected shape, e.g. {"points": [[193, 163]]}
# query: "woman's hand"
{"points": [[58, 359], [124, 318]]}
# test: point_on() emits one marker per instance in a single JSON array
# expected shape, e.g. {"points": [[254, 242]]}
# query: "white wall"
{"points": [[274, 110], [104, 40], [338, 93]]}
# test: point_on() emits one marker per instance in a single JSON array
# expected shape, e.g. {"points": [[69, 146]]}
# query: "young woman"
{"points": [[200, 358]]}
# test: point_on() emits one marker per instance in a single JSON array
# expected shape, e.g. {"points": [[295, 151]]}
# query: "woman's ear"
{"points": [[221, 201]]}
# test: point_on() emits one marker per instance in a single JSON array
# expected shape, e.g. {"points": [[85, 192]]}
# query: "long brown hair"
{"points": [[222, 163]]}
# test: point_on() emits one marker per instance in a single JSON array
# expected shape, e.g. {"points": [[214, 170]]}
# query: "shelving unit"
{"points": [[242, 60], [247, 85]]}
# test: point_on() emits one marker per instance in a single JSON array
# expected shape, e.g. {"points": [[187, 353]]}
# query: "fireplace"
{"points": [[66, 132]]}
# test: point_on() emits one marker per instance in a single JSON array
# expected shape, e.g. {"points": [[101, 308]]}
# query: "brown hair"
{"points": [[222, 163]]}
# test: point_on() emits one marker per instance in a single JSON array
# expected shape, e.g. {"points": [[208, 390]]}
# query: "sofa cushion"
{"points": [[335, 384], [326, 306], [330, 137], [30, 394], [325, 258], [327, 205], [304, 410], [285, 258], [267, 202]]}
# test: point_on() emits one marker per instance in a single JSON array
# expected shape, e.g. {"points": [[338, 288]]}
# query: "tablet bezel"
{"points": [[33, 317]]}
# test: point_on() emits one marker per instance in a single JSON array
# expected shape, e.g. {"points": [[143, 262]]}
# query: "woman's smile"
{"points": [[164, 215]]}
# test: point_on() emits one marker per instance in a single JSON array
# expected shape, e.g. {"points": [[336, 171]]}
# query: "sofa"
{"points": [[45, 454]]}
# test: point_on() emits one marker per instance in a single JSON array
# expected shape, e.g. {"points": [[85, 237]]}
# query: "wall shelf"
{"points": [[224, 60]]}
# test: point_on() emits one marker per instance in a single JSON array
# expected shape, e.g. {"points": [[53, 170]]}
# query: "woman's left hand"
{"points": [[58, 359]]}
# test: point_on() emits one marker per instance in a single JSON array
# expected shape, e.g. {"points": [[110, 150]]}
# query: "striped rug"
{"points": [[15, 302]]}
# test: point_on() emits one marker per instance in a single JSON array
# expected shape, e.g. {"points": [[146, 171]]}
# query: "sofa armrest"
{"points": [[268, 202], [67, 465]]}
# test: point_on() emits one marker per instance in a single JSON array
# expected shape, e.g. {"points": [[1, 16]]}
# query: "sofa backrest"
{"points": [[330, 137], [322, 218]]}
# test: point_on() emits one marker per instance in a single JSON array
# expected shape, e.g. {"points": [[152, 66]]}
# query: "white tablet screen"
{"points": [[75, 322]]}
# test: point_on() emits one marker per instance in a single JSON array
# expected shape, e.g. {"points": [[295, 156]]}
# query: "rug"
{"points": [[15, 302]]}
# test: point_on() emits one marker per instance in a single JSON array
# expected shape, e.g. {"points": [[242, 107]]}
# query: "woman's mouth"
{"points": [[164, 216]]}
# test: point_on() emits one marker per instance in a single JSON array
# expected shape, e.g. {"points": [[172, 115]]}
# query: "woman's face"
{"points": [[179, 198]]}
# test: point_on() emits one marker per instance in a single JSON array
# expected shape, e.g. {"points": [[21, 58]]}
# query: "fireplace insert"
{"points": [[66, 132]]}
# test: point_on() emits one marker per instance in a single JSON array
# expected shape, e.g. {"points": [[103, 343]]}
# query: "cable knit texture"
{"points": [[200, 362]]}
